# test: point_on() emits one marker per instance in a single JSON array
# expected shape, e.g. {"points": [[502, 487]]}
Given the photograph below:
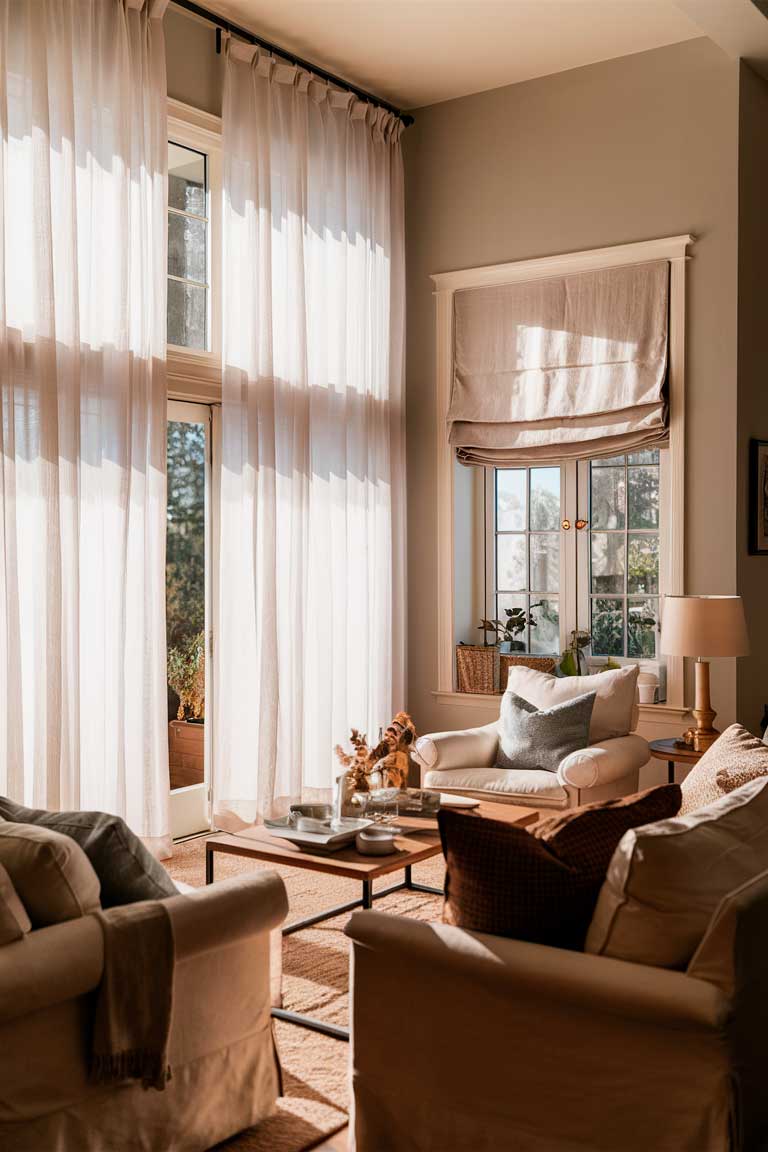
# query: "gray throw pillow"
{"points": [[531, 737], [127, 871]]}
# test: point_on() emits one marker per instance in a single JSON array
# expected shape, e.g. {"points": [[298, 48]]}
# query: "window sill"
{"points": [[655, 712]]}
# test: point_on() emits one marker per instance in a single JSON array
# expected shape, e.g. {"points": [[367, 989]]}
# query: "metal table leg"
{"points": [[670, 771]]}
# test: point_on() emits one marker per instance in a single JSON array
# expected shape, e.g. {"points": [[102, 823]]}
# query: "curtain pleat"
{"points": [[310, 635], [83, 721]]}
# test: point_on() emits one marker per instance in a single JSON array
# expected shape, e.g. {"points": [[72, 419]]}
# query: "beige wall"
{"points": [[753, 377], [625, 150], [194, 70]]}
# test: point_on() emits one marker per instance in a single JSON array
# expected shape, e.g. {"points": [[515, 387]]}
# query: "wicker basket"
{"points": [[477, 668], [539, 663]]}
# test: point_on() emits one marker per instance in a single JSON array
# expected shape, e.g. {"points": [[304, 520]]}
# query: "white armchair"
{"points": [[465, 762]]}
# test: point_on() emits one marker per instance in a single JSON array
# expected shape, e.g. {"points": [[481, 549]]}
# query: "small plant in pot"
{"points": [[507, 632], [573, 662], [186, 676]]}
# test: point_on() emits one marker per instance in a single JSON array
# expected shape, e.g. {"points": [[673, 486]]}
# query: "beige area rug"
{"points": [[315, 982]]}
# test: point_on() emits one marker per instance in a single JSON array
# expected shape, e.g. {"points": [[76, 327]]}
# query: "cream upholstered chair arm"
{"points": [[467, 748], [63, 961], [223, 913], [604, 762]]}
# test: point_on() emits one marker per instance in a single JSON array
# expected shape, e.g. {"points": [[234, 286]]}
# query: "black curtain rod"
{"points": [[225, 25]]}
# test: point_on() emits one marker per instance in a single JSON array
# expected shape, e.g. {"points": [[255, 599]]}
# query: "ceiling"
{"points": [[417, 52]]}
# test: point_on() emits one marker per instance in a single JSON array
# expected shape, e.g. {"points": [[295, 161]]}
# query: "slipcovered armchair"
{"points": [[517, 1045], [226, 1075], [465, 761]]}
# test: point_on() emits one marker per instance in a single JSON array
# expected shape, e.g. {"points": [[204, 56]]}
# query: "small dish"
{"points": [[376, 841]]}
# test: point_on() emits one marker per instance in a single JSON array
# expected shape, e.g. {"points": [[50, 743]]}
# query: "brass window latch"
{"points": [[581, 524], [566, 525]]}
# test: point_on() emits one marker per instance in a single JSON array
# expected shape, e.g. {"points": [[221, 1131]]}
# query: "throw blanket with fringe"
{"points": [[135, 997]]}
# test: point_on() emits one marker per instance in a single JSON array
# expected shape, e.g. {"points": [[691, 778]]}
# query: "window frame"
{"points": [[193, 374], [674, 250]]}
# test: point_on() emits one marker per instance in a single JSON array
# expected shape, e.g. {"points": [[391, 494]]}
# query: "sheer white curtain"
{"points": [[311, 587], [83, 717]]}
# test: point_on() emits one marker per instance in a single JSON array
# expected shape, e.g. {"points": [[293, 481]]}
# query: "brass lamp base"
{"points": [[704, 734]]}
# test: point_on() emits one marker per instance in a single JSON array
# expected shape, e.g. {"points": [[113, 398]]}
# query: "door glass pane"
{"points": [[608, 497], [545, 626], [545, 562], [186, 314], [186, 179], [510, 500], [607, 627], [642, 616], [185, 600], [643, 486], [510, 563], [186, 247], [608, 562], [643, 563], [545, 499]]}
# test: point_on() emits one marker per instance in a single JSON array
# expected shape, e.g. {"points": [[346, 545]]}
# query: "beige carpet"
{"points": [[315, 982]]}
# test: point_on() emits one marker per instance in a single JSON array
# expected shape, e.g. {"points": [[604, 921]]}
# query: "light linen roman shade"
{"points": [[562, 368]]}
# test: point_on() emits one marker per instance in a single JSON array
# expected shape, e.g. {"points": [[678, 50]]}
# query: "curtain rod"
{"points": [[222, 24]]}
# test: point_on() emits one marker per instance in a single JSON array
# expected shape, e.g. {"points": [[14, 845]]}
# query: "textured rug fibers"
{"points": [[315, 982]]}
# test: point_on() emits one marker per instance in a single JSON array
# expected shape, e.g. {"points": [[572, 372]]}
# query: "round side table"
{"points": [[666, 750]]}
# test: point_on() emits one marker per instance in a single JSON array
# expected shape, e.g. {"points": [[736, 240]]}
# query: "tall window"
{"points": [[527, 553], [188, 248], [624, 494]]}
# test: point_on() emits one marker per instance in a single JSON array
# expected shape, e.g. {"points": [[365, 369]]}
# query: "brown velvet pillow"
{"points": [[540, 884]]}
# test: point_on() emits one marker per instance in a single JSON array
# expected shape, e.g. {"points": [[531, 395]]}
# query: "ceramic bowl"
{"points": [[376, 841]]}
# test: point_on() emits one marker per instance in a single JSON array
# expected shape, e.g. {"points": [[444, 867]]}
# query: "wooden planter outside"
{"points": [[186, 753]]}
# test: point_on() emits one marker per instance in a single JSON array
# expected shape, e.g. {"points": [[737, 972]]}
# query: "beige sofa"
{"points": [[225, 1072], [509, 1045]]}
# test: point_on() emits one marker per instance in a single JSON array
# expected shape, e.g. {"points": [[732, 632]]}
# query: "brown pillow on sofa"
{"points": [[539, 885]]}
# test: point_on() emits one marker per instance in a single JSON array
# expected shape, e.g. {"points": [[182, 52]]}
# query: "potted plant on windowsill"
{"points": [[477, 665]]}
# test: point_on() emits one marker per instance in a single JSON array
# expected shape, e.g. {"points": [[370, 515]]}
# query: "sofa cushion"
{"points": [[14, 921], [538, 885], [50, 872], [735, 757], [615, 709], [539, 738], [666, 880], [126, 869]]}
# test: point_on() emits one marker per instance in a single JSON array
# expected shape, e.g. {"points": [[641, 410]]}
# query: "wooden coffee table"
{"points": [[421, 841]]}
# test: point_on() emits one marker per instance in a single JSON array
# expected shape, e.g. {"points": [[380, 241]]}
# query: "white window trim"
{"points": [[196, 376], [671, 248]]}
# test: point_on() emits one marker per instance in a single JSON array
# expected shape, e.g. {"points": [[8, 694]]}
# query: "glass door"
{"points": [[187, 606]]}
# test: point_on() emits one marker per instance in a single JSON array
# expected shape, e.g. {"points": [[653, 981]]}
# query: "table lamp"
{"points": [[704, 627]]}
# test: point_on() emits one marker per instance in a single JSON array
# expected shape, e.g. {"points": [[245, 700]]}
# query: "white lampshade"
{"points": [[706, 626]]}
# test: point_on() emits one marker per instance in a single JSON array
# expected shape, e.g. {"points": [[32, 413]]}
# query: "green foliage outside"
{"points": [[185, 566]]}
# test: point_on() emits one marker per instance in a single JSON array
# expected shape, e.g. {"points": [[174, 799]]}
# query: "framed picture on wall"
{"points": [[758, 497]]}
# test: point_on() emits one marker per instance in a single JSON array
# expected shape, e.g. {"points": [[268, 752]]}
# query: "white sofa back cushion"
{"points": [[665, 880], [615, 712]]}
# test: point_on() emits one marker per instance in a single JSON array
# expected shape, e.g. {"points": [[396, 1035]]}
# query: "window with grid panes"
{"points": [[188, 248]]}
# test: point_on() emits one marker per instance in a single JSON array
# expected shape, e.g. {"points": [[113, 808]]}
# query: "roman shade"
{"points": [[561, 368]]}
